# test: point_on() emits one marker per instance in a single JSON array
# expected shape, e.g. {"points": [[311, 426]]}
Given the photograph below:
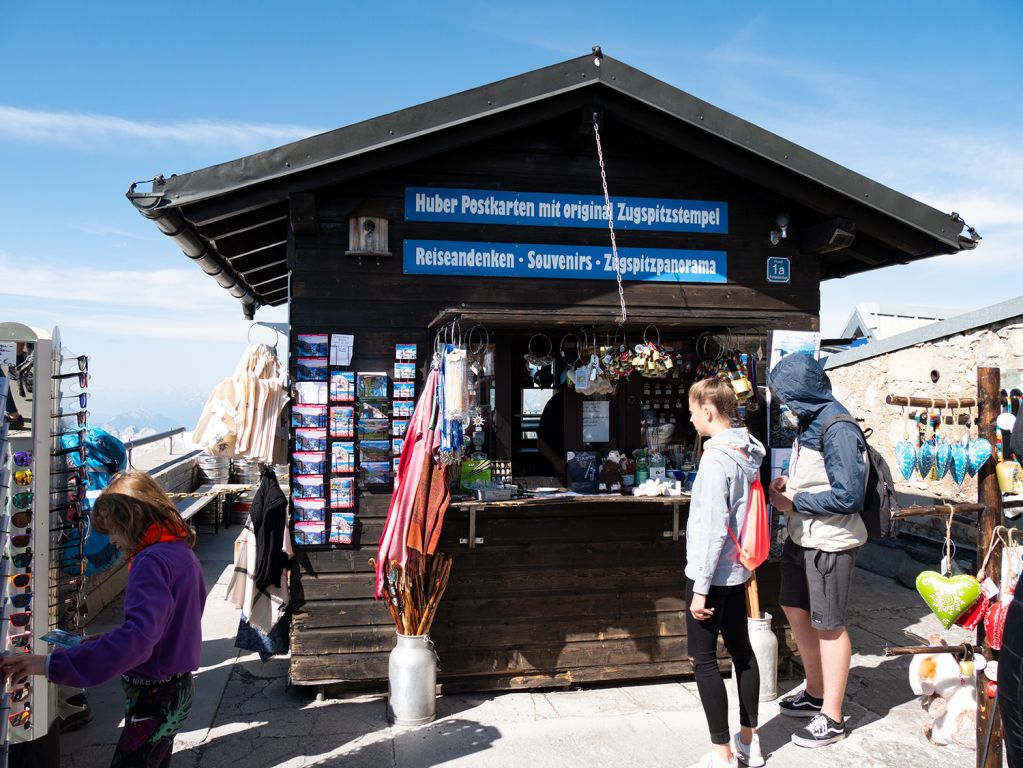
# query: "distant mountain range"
{"points": [[135, 424]]}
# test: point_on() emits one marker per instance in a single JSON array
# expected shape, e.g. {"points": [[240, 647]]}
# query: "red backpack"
{"points": [[756, 530]]}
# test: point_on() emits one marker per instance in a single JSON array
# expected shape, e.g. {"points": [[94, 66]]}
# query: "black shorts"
{"points": [[818, 582]]}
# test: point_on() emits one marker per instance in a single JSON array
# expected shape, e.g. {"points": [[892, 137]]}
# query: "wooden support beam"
{"points": [[937, 509], [831, 235], [913, 650], [936, 402], [989, 729]]}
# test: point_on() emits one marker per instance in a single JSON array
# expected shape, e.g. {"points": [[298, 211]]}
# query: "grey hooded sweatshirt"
{"points": [[719, 501]]}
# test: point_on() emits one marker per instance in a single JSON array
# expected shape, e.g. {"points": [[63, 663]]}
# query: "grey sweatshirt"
{"points": [[719, 501]]}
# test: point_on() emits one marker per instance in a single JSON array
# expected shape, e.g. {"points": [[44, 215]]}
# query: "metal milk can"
{"points": [[412, 681]]}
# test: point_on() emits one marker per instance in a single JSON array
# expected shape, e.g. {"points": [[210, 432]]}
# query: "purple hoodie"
{"points": [[162, 630]]}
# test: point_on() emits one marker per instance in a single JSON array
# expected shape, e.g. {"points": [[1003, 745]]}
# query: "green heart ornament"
{"points": [[948, 596]]}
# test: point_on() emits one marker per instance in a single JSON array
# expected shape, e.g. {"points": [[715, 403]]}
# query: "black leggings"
{"points": [[1010, 682], [729, 619]]}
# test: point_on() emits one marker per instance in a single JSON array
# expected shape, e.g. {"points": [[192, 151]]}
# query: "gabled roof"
{"points": [[1006, 311], [232, 218], [875, 321]]}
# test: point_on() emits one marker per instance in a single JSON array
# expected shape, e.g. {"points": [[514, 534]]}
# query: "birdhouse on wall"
{"points": [[367, 236]]}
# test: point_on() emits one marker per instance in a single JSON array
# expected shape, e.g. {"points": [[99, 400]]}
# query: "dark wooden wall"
{"points": [[552, 597]]}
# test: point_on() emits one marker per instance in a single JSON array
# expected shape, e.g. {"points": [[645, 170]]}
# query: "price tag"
{"points": [[990, 588], [946, 565]]}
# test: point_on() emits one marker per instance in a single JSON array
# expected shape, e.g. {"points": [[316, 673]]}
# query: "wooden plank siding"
{"points": [[555, 595]]}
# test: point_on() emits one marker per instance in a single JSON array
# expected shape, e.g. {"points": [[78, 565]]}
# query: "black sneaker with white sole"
{"points": [[819, 732], [800, 705]]}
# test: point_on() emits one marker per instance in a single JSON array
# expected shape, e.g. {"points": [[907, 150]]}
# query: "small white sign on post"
{"points": [[596, 421], [8, 353]]}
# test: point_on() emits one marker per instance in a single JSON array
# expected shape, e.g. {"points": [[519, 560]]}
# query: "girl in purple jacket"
{"points": [[157, 647]]}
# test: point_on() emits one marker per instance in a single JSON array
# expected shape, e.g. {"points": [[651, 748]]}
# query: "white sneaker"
{"points": [[748, 754], [711, 760]]}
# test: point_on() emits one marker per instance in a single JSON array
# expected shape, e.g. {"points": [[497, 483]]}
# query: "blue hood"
{"points": [[799, 381]]}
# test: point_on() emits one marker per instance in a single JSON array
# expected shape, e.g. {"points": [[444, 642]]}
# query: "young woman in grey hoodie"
{"points": [[715, 579]]}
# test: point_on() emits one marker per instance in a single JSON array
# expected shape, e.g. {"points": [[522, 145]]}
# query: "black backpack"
{"points": [[879, 501]]}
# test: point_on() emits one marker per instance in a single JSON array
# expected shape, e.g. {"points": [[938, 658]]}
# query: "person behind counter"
{"points": [[157, 647], [550, 436], [715, 579]]}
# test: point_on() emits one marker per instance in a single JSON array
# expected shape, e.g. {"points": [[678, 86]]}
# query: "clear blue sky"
{"points": [[922, 96]]}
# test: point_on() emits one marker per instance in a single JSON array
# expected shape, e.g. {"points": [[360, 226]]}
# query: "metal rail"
{"points": [[169, 436]]}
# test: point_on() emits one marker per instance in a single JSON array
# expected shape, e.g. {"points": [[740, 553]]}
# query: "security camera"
{"points": [[782, 220]]}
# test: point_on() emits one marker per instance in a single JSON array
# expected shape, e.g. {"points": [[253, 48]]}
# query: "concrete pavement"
{"points": [[243, 713]]}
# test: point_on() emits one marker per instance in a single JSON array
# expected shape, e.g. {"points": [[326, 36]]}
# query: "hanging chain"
{"points": [[610, 222]]}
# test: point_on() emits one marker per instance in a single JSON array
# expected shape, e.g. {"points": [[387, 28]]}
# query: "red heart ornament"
{"points": [[991, 689], [994, 624], [975, 613]]}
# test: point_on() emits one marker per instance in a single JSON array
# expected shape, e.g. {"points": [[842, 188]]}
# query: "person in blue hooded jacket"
{"points": [[822, 498]]}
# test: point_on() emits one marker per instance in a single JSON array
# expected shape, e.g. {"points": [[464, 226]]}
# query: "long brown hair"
{"points": [[130, 504], [718, 393]]}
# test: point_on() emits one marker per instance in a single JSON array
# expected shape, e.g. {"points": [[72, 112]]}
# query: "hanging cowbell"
{"points": [[978, 452], [905, 458], [925, 458], [942, 457], [960, 462]]}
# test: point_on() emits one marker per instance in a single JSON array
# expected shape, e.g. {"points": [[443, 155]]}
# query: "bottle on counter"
{"points": [[642, 467], [656, 466]]}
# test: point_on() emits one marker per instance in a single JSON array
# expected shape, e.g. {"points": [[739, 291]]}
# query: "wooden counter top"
{"points": [[545, 501]]}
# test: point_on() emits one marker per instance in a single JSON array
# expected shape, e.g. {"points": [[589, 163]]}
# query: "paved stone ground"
{"points": [[245, 715]]}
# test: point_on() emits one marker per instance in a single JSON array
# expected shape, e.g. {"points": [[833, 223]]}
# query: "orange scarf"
{"points": [[158, 533]]}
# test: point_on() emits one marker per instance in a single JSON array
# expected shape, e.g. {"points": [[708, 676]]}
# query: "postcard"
{"points": [[396, 462], [309, 462], [405, 352], [376, 472], [311, 392], [404, 390], [309, 416], [405, 371], [311, 369], [311, 345], [399, 427], [403, 409], [374, 409], [310, 533], [374, 450], [342, 457], [310, 510], [342, 386], [307, 486], [372, 386], [396, 445], [341, 348], [342, 421], [342, 527], [374, 429], [310, 439], [342, 492]]}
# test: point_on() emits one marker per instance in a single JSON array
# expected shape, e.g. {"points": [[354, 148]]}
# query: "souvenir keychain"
{"points": [[905, 451]]}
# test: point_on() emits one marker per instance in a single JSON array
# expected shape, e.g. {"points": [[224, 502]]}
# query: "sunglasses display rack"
{"points": [[30, 486]]}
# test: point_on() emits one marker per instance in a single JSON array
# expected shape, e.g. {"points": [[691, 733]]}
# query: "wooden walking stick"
{"points": [[753, 598]]}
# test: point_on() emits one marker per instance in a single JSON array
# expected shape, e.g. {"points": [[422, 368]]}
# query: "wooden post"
{"points": [[988, 387]]}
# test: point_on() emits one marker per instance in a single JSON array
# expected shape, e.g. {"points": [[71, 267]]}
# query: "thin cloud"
{"points": [[84, 130]]}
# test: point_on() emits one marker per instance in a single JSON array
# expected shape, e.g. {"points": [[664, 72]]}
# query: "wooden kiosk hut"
{"points": [[486, 208]]}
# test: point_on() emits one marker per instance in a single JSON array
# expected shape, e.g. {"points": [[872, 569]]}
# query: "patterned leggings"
{"points": [[153, 715]]}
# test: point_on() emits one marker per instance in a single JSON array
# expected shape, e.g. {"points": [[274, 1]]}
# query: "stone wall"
{"points": [[862, 387]]}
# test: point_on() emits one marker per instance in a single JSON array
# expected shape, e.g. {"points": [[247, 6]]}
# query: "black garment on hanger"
{"points": [[269, 516]]}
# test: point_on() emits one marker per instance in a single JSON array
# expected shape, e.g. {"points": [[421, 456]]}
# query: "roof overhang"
{"points": [[232, 218]]}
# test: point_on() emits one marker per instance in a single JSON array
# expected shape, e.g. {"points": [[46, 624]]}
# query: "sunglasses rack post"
{"points": [[29, 486]]}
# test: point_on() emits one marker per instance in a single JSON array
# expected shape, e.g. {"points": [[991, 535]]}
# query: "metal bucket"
{"points": [[412, 681], [765, 649], [240, 507]]}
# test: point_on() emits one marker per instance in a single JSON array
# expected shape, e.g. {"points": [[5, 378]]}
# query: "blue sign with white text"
{"points": [[565, 262], [779, 269], [543, 209]]}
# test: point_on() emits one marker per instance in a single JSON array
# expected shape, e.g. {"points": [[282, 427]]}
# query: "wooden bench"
{"points": [[189, 507]]}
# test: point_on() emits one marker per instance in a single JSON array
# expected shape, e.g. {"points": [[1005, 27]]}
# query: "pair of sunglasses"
{"points": [[22, 518], [83, 398], [79, 449], [20, 694], [23, 718], [21, 640], [23, 458], [82, 360], [76, 491], [20, 540], [82, 376], [19, 580], [23, 477], [22, 560], [22, 600], [18, 619], [23, 500]]}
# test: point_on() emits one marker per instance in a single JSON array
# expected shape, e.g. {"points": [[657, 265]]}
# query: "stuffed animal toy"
{"points": [[609, 479]]}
